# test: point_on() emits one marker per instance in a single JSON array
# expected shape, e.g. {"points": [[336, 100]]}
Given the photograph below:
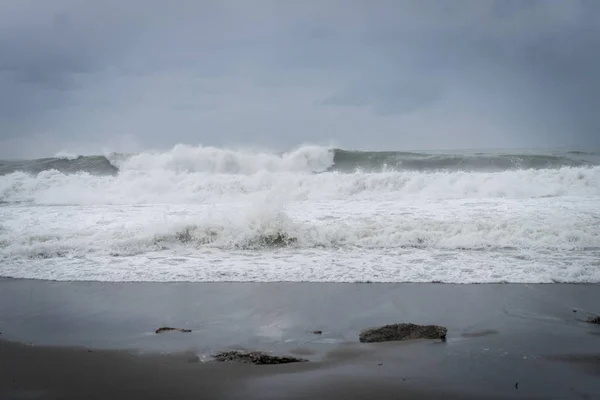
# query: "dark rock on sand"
{"points": [[403, 332], [594, 320], [254, 357], [169, 329]]}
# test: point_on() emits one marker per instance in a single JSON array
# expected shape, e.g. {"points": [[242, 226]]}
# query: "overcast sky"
{"points": [[88, 76]]}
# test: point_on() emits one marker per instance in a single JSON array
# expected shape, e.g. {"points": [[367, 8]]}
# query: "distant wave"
{"points": [[95, 165], [307, 159], [401, 161], [586, 153]]}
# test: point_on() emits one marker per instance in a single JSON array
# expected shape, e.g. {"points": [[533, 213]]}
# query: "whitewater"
{"points": [[316, 214]]}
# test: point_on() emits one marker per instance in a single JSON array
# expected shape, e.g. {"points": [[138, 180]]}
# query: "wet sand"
{"points": [[97, 340]]}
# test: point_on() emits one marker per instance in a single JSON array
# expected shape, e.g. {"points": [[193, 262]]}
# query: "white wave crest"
{"points": [[184, 158]]}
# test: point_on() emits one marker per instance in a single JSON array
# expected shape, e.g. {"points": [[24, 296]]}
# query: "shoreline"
{"points": [[288, 282], [498, 335]]}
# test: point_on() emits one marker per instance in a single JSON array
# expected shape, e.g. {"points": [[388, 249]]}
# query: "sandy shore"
{"points": [[97, 340]]}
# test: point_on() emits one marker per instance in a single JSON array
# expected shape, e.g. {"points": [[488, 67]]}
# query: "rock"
{"points": [[594, 320], [403, 332], [279, 239], [254, 357], [169, 329]]}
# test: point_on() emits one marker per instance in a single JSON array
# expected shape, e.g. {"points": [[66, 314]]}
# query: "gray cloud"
{"points": [[84, 76]]}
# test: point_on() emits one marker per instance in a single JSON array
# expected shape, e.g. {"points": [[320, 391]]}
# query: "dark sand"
{"points": [[96, 340]]}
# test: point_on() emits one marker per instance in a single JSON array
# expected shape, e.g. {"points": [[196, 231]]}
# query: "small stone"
{"points": [[255, 357], [594, 320], [169, 329], [403, 332]]}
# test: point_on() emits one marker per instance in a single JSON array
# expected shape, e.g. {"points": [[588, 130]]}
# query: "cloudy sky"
{"points": [[90, 76]]}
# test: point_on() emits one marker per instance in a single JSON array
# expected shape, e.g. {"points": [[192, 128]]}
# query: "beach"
{"points": [[98, 340], [271, 200]]}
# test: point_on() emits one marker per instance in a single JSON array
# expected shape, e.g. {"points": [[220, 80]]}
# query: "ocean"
{"points": [[313, 214]]}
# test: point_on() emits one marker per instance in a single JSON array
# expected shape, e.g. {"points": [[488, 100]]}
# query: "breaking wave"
{"points": [[315, 213], [308, 159], [65, 163], [195, 175], [263, 226], [165, 186]]}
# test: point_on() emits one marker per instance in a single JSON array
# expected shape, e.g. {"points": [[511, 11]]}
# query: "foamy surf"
{"points": [[168, 186], [204, 214]]}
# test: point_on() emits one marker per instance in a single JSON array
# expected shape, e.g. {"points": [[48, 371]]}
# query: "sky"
{"points": [[90, 77]]}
